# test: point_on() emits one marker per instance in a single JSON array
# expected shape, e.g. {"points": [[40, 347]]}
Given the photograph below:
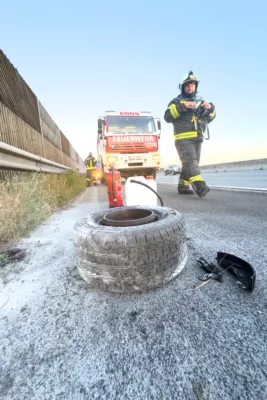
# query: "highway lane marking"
{"points": [[230, 188]]}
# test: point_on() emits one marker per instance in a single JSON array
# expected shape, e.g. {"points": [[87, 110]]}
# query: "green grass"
{"points": [[26, 200]]}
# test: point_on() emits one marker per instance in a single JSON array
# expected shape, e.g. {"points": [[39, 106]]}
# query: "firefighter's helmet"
{"points": [[189, 77]]}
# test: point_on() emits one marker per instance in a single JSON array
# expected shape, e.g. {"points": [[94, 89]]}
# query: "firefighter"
{"points": [[189, 123], [90, 163]]}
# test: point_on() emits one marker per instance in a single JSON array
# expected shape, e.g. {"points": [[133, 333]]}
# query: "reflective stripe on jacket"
{"points": [[90, 163]]}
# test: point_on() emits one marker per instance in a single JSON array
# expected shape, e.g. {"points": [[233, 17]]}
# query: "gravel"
{"points": [[60, 340]]}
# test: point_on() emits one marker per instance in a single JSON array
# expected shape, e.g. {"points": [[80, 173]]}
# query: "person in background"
{"points": [[190, 114], [90, 163]]}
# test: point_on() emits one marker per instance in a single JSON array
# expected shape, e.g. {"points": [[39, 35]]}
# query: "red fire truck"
{"points": [[130, 142]]}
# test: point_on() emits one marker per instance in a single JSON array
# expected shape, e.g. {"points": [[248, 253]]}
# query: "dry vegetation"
{"points": [[26, 200]]}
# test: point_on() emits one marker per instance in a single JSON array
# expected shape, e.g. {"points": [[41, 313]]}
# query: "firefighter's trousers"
{"points": [[90, 176], [189, 153]]}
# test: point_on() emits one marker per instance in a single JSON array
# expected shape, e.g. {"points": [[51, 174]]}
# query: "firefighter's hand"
{"points": [[191, 105], [206, 105]]}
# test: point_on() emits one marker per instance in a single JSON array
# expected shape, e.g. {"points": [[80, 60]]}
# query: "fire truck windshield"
{"points": [[116, 124]]}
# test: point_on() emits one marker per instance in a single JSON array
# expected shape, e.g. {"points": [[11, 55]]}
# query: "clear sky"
{"points": [[84, 57]]}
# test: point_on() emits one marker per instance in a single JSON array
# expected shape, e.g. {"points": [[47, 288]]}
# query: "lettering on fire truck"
{"points": [[122, 139], [129, 113]]}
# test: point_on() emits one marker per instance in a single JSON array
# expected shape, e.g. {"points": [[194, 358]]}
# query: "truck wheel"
{"points": [[132, 258]]}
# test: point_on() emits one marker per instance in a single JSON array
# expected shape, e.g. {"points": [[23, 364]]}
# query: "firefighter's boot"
{"points": [[184, 187], [201, 188]]}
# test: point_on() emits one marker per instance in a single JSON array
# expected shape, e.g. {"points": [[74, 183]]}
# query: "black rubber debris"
{"points": [[214, 271], [11, 255], [244, 271]]}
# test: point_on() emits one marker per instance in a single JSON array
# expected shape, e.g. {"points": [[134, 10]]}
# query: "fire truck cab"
{"points": [[130, 142]]}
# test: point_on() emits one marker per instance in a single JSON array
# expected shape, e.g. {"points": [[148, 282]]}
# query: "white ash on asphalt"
{"points": [[61, 340]]}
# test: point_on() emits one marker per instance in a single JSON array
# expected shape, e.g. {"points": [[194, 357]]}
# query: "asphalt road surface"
{"points": [[243, 179], [61, 340]]}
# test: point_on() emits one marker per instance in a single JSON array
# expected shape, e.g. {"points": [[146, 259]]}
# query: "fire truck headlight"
{"points": [[156, 157], [111, 160]]}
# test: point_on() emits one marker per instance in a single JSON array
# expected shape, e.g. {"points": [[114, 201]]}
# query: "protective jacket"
{"points": [[90, 163], [188, 124]]}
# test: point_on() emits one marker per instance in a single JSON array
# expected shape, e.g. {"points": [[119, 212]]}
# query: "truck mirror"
{"points": [[99, 125], [159, 125]]}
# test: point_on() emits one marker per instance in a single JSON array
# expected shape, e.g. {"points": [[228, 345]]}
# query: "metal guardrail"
{"points": [[12, 158]]}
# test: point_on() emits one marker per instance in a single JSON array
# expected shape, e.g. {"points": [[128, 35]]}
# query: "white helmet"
{"points": [[189, 77]]}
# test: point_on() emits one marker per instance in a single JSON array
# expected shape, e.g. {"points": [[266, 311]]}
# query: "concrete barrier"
{"points": [[248, 165]]}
